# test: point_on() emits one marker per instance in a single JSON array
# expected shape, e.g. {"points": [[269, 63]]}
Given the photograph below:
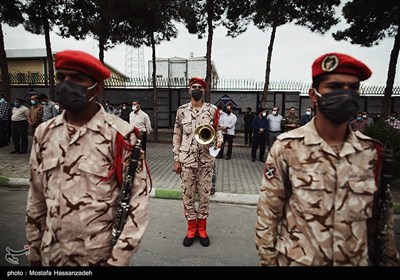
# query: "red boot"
{"points": [[203, 236], [191, 233]]}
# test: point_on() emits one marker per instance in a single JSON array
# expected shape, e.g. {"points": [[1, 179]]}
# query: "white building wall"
{"points": [[161, 68], [197, 68], [177, 69], [180, 67]]}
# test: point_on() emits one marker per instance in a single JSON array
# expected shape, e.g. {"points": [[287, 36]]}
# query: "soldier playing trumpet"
{"points": [[192, 159]]}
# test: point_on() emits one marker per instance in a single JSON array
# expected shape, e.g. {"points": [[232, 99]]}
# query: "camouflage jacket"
{"points": [[314, 204], [185, 147], [291, 119], [72, 200]]}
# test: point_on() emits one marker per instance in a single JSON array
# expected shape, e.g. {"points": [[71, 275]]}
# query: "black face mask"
{"points": [[197, 94], [72, 97], [338, 105]]}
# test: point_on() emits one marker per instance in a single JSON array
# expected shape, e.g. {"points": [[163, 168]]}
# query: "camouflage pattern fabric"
{"points": [[72, 203], [195, 159], [291, 119], [314, 202]]}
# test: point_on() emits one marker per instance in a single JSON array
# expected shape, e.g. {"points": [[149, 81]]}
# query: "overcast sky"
{"points": [[294, 51]]}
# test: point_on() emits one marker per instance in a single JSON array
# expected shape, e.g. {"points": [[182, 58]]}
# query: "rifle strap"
{"points": [[378, 166], [216, 119], [120, 145]]}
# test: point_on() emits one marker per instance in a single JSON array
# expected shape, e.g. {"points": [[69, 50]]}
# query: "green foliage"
{"points": [[387, 135], [370, 21], [10, 12]]}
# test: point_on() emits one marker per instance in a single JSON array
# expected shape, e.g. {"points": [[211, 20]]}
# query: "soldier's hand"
{"points": [[177, 167]]}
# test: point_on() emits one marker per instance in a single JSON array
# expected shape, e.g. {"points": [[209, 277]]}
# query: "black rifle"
{"points": [[123, 203], [384, 203]]}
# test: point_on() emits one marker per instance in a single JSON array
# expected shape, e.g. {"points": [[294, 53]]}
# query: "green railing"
{"points": [[38, 79]]}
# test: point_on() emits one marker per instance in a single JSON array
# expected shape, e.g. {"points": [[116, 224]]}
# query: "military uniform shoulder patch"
{"points": [[269, 171]]}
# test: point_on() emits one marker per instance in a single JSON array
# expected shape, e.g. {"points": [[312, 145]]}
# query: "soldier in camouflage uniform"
{"points": [[319, 182], [193, 160], [78, 161], [291, 120]]}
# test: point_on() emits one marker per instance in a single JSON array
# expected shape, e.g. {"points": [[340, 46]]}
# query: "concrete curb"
{"points": [[232, 198], [14, 181]]}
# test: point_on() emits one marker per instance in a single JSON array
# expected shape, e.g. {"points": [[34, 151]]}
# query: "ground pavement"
{"points": [[238, 179]]}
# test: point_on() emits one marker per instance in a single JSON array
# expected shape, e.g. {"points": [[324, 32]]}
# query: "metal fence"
{"points": [[37, 79]]}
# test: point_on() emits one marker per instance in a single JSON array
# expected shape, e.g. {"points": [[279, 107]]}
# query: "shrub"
{"points": [[387, 135]]}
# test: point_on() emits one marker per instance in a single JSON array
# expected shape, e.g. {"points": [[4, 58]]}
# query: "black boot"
{"points": [[191, 233], [203, 236], [205, 242], [187, 242]]}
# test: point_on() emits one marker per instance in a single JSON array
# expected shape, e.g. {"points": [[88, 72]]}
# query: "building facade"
{"points": [[30, 66], [179, 68]]}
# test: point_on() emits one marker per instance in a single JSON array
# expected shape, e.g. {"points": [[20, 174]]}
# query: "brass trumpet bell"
{"points": [[204, 134]]}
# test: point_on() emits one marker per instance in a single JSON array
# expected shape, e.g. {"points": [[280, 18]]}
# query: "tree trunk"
{"points": [[394, 55], [268, 67], [49, 53], [210, 13], [154, 77], [4, 68], [100, 98]]}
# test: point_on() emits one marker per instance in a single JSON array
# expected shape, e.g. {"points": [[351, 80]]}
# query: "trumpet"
{"points": [[204, 134]]}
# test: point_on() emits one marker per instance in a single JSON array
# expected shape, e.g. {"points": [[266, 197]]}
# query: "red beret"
{"points": [[82, 62], [196, 80], [339, 63]]}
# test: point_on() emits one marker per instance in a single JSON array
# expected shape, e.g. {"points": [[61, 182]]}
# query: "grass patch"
{"points": [[4, 180], [172, 194]]}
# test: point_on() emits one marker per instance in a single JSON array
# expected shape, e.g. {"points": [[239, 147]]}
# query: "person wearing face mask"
{"points": [[35, 113], [318, 192], [370, 121], [393, 121], [291, 120], [260, 132], [78, 164], [193, 161], [275, 123], [248, 126], [125, 112], [4, 119], [49, 108], [359, 123], [141, 121], [228, 124], [307, 116], [19, 127]]}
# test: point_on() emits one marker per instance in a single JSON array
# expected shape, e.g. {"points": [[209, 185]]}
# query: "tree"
{"points": [[42, 15], [151, 25], [317, 15], [370, 22], [80, 19], [199, 16], [11, 14]]}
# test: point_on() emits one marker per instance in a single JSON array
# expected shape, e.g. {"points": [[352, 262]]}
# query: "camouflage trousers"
{"points": [[196, 180]]}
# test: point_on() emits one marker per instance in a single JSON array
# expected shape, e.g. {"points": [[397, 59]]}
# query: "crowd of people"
{"points": [[88, 200]]}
